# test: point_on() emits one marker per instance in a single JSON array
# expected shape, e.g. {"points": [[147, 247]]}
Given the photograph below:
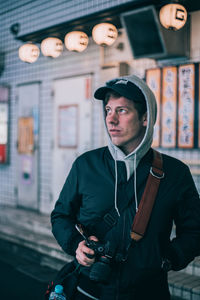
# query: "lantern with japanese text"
{"points": [[29, 53], [104, 34], [76, 41], [52, 47], [173, 16]]}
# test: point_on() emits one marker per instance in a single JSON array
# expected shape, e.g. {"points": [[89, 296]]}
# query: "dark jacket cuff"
{"points": [[72, 244]]}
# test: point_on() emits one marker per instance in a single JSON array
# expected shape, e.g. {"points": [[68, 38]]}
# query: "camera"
{"points": [[101, 269]]}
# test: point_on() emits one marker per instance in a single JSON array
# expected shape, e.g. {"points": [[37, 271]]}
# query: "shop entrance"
{"points": [[27, 146], [72, 125]]}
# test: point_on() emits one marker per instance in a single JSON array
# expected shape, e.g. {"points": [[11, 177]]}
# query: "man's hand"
{"points": [[83, 250]]}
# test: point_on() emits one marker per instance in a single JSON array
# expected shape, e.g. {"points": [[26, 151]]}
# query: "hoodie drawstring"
{"points": [[116, 179], [135, 184]]}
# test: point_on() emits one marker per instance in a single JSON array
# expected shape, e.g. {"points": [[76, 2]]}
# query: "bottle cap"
{"points": [[59, 289]]}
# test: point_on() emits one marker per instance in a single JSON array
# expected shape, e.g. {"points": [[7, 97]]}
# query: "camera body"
{"points": [[97, 247], [101, 269]]}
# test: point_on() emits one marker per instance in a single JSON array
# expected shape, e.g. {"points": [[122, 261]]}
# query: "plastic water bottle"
{"points": [[57, 294]]}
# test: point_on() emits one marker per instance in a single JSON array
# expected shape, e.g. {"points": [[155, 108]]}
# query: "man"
{"points": [[102, 193]]}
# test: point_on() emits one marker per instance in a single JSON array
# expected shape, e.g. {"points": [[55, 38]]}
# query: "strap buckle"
{"points": [[156, 174]]}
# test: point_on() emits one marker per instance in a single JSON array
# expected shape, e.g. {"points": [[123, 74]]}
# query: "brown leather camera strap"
{"points": [[143, 214]]}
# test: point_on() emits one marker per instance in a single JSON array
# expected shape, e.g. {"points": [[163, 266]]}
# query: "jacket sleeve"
{"points": [[63, 217], [186, 245]]}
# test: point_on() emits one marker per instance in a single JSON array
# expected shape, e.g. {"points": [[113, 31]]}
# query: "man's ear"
{"points": [[144, 119]]}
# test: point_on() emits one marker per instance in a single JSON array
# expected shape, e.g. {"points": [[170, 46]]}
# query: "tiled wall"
{"points": [[31, 15], [44, 70]]}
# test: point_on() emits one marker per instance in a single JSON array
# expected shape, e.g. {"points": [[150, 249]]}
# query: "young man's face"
{"points": [[125, 127]]}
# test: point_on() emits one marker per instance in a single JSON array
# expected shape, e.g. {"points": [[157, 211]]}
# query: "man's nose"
{"points": [[112, 118]]}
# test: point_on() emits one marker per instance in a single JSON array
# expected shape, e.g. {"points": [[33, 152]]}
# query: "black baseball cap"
{"points": [[122, 86]]}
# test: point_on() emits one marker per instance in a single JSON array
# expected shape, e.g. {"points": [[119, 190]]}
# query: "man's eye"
{"points": [[122, 110], [107, 110]]}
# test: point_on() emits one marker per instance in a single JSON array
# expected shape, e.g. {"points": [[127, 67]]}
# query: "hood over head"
{"points": [[133, 88]]}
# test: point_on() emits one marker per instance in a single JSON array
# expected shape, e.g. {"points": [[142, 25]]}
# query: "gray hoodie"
{"points": [[132, 159]]}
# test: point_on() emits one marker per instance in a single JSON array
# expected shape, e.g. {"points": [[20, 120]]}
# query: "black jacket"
{"points": [[88, 194]]}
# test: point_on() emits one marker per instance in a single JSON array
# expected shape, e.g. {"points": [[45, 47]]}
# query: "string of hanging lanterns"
{"points": [[172, 16], [103, 34]]}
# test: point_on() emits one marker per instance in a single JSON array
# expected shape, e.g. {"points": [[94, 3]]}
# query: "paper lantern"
{"points": [[52, 47], [76, 41], [29, 53], [173, 16], [104, 34]]}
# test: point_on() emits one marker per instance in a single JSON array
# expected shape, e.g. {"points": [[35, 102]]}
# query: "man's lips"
{"points": [[114, 131]]}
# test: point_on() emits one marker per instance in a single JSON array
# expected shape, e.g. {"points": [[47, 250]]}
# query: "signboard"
{"points": [[4, 112], [3, 154], [68, 126], [153, 79], [186, 106], [25, 135], [3, 133], [169, 107]]}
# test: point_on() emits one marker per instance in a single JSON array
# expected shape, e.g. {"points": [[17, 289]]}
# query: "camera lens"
{"points": [[100, 270], [100, 249]]}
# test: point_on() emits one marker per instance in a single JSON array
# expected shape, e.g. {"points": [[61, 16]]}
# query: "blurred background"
{"points": [[53, 55]]}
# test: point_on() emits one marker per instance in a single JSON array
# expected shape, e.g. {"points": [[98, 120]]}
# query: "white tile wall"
{"points": [[44, 70]]}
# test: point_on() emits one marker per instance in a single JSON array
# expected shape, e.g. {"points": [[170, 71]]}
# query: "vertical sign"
{"points": [[169, 106], [153, 78], [186, 106]]}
